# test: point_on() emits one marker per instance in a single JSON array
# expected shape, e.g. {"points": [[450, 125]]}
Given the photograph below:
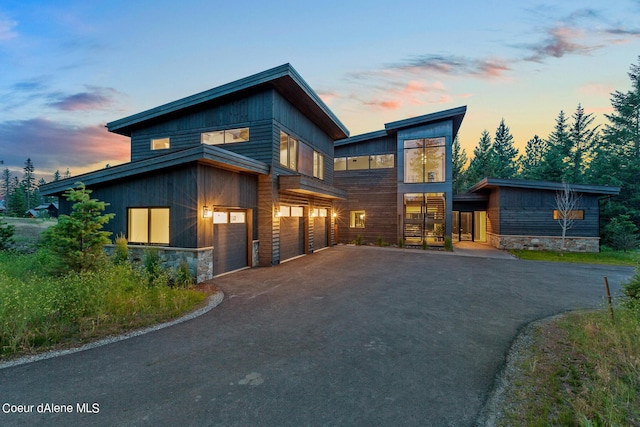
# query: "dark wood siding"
{"points": [[320, 232], [174, 188], [530, 213], [375, 192], [254, 112]]}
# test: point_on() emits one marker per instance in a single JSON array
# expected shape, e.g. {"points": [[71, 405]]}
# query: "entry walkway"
{"points": [[482, 250]]}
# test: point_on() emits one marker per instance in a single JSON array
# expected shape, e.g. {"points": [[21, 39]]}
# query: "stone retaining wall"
{"points": [[544, 243]]}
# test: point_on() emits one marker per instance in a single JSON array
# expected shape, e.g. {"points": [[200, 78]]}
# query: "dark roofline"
{"points": [[488, 183], [456, 114], [284, 78], [209, 154]]}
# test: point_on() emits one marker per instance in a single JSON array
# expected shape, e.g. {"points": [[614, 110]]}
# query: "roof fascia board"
{"points": [[543, 185], [427, 118]]}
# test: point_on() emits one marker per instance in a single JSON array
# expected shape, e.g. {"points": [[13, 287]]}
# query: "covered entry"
{"points": [[469, 226], [230, 240]]}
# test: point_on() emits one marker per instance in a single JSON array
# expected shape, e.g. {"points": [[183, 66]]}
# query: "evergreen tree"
{"points": [[459, 161], [531, 164], [6, 186], [56, 176], [78, 239], [554, 165], [504, 153], [17, 200], [583, 140], [28, 182], [481, 166], [617, 160]]}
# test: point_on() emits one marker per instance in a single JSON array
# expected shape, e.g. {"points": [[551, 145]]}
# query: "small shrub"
{"points": [[358, 240], [424, 245], [631, 291], [6, 235], [622, 233], [448, 244], [401, 242], [381, 242], [182, 277], [152, 265], [121, 250]]}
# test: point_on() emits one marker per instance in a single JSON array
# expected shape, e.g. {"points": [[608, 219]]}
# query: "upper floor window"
{"points": [[160, 144], [318, 165], [228, 136], [425, 160], [377, 161], [288, 151], [572, 214]]}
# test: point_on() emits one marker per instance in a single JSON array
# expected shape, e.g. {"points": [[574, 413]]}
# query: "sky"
{"points": [[69, 67]]}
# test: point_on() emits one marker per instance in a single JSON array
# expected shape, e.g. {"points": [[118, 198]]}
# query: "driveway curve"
{"points": [[347, 336]]}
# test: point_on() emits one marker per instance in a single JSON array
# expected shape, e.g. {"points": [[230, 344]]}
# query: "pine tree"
{"points": [[56, 176], [459, 161], [617, 160], [531, 164], [504, 153], [17, 200], [6, 186], [28, 182], [555, 163], [481, 166], [583, 140]]}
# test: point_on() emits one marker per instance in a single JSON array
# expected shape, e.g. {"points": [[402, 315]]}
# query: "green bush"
{"points": [[6, 235], [631, 291], [448, 244], [358, 240], [621, 233], [152, 265], [182, 277], [401, 242], [121, 250]]}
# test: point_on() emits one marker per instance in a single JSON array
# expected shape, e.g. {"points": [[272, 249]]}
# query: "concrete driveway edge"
{"points": [[213, 301]]}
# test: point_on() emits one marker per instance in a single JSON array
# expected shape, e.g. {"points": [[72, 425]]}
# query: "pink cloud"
{"points": [[95, 98], [52, 145], [560, 41]]}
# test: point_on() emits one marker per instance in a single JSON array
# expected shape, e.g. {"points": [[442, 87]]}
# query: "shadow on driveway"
{"points": [[347, 336]]}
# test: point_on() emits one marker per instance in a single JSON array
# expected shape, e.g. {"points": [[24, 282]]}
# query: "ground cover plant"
{"points": [[62, 290], [41, 311], [581, 369], [606, 256]]}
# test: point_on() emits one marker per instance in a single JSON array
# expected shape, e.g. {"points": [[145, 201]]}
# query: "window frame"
{"points": [[160, 144], [227, 136], [574, 215], [318, 164], [291, 161], [357, 218], [149, 224], [425, 150]]}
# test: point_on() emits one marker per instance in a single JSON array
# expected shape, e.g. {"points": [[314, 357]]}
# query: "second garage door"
{"points": [[229, 241]]}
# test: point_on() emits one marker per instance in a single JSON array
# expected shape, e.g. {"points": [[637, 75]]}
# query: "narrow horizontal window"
{"points": [[160, 144], [228, 136], [574, 214], [237, 217], [357, 163], [220, 217]]}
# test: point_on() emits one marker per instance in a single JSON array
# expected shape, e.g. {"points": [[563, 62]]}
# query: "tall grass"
{"points": [[581, 370], [39, 310]]}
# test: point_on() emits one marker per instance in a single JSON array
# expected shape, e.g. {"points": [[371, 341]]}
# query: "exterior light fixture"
{"points": [[206, 212], [335, 215]]}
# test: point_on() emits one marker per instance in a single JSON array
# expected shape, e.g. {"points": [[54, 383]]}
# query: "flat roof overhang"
{"points": [[301, 184], [490, 183], [205, 154]]}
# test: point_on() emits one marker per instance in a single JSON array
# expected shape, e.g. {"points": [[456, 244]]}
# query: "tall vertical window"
{"points": [[356, 219], [149, 225], [425, 160], [424, 218], [160, 144], [318, 165], [288, 151]]}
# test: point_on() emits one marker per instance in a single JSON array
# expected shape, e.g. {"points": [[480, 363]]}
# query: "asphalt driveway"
{"points": [[350, 336]]}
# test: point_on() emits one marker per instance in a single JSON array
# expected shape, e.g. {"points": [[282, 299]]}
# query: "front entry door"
{"points": [[466, 226]]}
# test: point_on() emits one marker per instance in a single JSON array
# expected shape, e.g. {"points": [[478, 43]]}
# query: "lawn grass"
{"points": [[40, 311], [581, 369], [606, 256]]}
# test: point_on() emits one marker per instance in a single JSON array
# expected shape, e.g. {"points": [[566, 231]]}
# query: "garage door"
{"points": [[291, 237], [319, 232], [229, 241]]}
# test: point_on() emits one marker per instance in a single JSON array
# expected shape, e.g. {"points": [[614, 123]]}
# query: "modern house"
{"points": [[260, 171]]}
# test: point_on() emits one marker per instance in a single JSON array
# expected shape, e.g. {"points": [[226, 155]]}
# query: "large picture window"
{"points": [[149, 225], [288, 151], [424, 160]]}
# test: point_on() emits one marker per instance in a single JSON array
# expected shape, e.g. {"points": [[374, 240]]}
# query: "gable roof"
{"points": [[489, 183], [284, 78], [455, 114]]}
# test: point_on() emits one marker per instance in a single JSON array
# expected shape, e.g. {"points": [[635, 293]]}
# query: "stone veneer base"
{"points": [[544, 243]]}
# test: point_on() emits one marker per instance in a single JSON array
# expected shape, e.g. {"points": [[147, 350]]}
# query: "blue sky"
{"points": [[68, 67]]}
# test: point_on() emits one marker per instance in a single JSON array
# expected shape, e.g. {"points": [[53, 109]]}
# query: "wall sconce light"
{"points": [[206, 212], [334, 215]]}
